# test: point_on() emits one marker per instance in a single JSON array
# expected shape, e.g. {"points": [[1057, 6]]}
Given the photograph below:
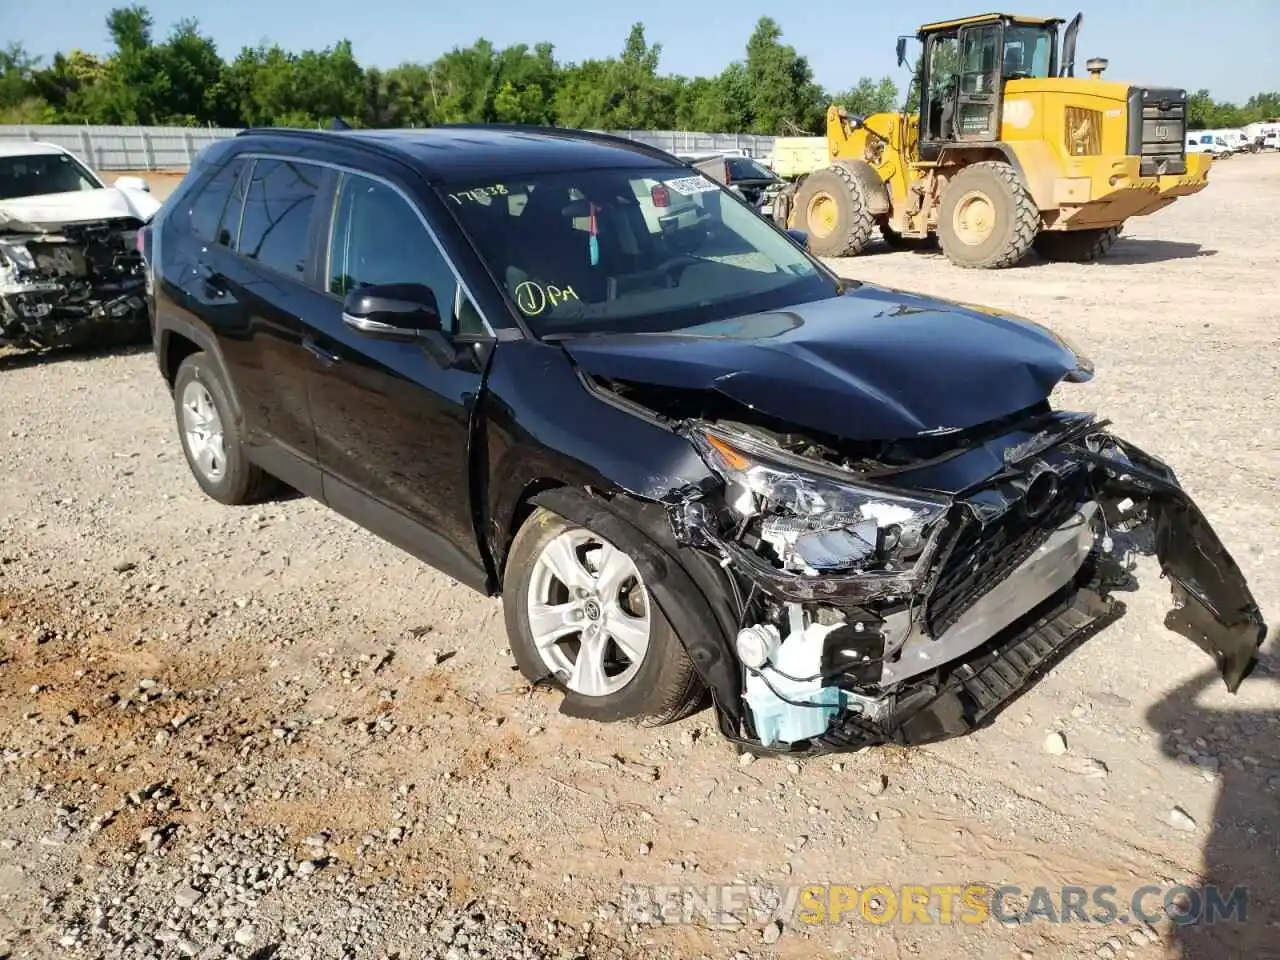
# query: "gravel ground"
{"points": [[263, 733]]}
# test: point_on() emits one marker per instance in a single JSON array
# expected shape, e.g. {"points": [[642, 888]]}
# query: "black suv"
{"points": [[570, 369]]}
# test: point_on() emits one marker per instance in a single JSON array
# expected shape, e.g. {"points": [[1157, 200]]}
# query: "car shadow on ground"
{"points": [[23, 359], [1131, 250], [1243, 844]]}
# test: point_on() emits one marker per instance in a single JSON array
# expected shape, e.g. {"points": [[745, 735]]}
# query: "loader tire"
{"points": [[831, 209], [1076, 246], [987, 219]]}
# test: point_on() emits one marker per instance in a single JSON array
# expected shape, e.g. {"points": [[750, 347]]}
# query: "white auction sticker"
{"points": [[691, 185]]}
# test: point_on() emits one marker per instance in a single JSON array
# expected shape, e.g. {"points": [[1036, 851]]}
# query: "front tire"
{"points": [[579, 616], [988, 220], [211, 437], [1076, 246], [833, 212]]}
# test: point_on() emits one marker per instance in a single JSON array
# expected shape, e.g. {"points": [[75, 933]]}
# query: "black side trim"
{"points": [[401, 531]]}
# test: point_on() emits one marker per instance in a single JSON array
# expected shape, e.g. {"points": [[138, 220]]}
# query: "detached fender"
{"points": [[874, 192]]}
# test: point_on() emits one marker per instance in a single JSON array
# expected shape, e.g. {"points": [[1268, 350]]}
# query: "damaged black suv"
{"points": [[571, 370]]}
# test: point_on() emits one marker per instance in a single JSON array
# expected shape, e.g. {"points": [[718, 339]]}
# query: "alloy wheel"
{"points": [[202, 430], [588, 613]]}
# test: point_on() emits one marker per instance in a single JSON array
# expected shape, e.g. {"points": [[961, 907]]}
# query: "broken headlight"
{"points": [[812, 517]]}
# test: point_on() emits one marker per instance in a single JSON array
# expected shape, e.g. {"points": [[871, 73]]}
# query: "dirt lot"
{"points": [[262, 732]]}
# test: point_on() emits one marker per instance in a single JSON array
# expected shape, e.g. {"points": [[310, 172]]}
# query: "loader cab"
{"points": [[963, 69]]}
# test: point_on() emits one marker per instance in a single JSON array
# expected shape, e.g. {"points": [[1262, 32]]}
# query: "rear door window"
{"points": [[277, 214]]}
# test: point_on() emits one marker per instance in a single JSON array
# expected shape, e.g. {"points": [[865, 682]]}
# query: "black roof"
{"points": [[460, 153]]}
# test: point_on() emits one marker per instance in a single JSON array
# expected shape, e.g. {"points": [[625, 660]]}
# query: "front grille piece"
{"points": [[981, 554]]}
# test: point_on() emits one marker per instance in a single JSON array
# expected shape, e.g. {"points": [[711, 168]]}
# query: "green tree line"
{"points": [[182, 79]]}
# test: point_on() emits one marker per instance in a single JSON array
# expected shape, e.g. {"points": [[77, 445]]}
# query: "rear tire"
{"points": [[987, 219], [1076, 246], [636, 668], [211, 438], [833, 212]]}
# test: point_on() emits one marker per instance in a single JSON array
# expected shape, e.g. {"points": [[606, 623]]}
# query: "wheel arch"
{"points": [[175, 341], [691, 595], [1034, 162]]}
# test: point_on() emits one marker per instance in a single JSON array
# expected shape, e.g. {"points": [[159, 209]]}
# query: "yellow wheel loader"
{"points": [[1009, 151]]}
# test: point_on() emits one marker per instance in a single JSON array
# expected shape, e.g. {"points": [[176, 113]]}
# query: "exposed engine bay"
{"points": [[80, 284], [908, 597]]}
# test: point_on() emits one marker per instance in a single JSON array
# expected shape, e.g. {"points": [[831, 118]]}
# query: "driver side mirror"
{"points": [[392, 311], [133, 183], [800, 237], [902, 50]]}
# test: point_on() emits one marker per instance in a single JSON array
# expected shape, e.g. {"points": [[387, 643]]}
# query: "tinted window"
{"points": [[210, 203], [277, 213], [630, 249], [378, 238]]}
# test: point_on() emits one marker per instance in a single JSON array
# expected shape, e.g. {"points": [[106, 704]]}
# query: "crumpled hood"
{"points": [[53, 211], [873, 364]]}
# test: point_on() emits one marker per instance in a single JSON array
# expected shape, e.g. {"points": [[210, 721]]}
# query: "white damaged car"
{"points": [[71, 273]]}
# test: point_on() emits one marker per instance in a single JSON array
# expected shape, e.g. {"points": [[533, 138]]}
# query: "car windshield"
{"points": [[1027, 51], [631, 250], [43, 173]]}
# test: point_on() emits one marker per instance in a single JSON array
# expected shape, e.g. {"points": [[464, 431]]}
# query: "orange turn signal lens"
{"points": [[732, 458]]}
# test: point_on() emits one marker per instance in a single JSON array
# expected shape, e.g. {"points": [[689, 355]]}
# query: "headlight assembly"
{"points": [[814, 518]]}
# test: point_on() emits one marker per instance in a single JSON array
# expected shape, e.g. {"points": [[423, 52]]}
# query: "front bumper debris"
{"points": [[1017, 574], [80, 286]]}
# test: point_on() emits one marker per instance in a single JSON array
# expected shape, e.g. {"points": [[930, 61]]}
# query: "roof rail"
{"points": [[369, 144], [639, 146], [285, 131]]}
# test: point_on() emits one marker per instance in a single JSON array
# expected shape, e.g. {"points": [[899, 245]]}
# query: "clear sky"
{"points": [[1229, 46]]}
